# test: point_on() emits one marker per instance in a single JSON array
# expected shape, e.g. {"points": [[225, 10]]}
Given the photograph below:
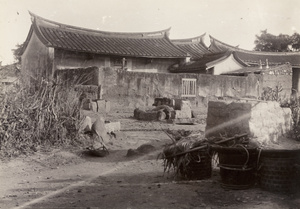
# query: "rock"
{"points": [[85, 125], [136, 113], [265, 121], [132, 152], [145, 148], [99, 129], [161, 115]]}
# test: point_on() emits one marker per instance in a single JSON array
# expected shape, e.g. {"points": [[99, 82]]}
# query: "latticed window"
{"points": [[188, 87]]}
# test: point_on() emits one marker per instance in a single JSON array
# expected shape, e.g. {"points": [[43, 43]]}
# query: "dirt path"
{"points": [[68, 179]]}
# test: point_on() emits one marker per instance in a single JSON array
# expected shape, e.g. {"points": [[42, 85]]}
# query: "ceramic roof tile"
{"points": [[149, 44], [254, 57], [199, 64], [195, 47]]}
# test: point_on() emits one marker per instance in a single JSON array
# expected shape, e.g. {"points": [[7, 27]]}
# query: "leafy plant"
{"points": [[272, 94], [281, 43]]}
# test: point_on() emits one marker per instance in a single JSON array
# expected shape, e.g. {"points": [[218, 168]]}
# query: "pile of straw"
{"points": [[182, 152]]}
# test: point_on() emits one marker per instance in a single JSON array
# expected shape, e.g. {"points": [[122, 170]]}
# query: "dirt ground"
{"points": [[71, 179]]}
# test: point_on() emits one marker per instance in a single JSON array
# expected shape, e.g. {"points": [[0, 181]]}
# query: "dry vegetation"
{"points": [[42, 115]]}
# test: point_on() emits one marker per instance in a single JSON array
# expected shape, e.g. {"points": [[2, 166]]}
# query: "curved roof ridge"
{"points": [[72, 38], [212, 39], [189, 40], [154, 34]]}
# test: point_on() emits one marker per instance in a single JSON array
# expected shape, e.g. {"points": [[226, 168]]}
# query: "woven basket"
{"points": [[237, 166], [199, 167]]}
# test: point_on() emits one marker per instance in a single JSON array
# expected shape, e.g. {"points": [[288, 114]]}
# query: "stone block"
{"points": [[264, 121], [185, 105], [183, 114], [107, 106], [112, 126], [177, 105], [148, 116], [86, 104], [103, 106], [93, 106], [145, 115]]}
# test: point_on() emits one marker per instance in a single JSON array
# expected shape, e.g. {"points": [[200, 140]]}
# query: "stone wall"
{"points": [[265, 121], [140, 89], [279, 76], [135, 89], [78, 76]]}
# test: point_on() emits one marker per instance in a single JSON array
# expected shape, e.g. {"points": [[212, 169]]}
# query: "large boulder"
{"points": [[265, 121]]}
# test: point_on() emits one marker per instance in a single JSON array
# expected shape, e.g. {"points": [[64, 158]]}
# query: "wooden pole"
{"points": [[231, 138]]}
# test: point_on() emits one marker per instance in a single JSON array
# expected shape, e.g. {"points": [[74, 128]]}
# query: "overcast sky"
{"points": [[235, 22]]}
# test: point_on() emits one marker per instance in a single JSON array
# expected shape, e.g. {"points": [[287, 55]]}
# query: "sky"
{"points": [[235, 22]]}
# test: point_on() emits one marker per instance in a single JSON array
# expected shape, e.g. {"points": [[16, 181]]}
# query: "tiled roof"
{"points": [[195, 47], [254, 57], [148, 44], [198, 65], [286, 68]]}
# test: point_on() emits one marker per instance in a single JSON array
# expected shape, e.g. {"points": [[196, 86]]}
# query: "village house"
{"points": [[212, 63], [262, 59], [203, 60], [120, 64], [52, 46], [222, 59]]}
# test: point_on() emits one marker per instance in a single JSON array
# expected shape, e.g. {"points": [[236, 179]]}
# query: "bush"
{"points": [[43, 114]]}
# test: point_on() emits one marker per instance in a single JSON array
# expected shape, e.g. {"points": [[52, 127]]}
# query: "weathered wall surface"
{"points": [[265, 121], [136, 89], [161, 65], [227, 118], [280, 76], [268, 121], [133, 88], [78, 76], [37, 60], [69, 59]]}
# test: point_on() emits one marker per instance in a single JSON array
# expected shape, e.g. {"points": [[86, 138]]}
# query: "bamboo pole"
{"points": [[231, 138]]}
